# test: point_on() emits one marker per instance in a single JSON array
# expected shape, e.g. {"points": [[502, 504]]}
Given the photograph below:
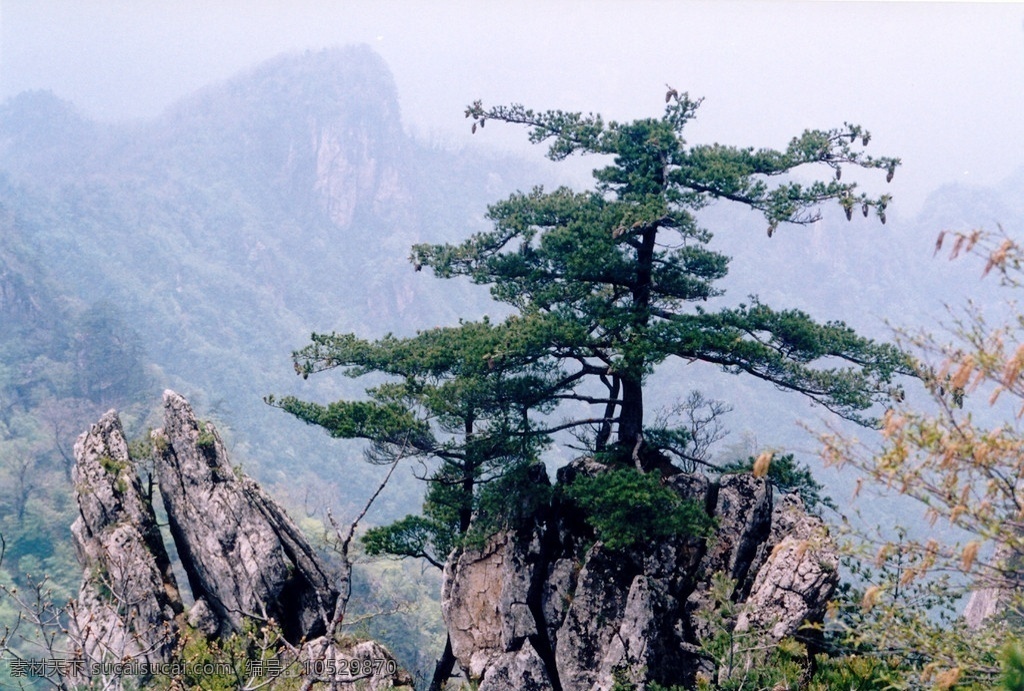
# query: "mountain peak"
{"points": [[325, 123], [320, 83], [40, 131]]}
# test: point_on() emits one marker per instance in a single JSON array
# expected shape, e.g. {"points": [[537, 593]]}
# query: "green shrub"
{"points": [[111, 465], [206, 439], [627, 508], [1012, 660]]}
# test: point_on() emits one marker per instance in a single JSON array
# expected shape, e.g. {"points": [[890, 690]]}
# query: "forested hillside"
{"points": [[196, 251]]}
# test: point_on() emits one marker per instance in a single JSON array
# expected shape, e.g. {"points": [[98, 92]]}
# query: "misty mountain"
{"points": [[285, 200], [197, 250], [280, 202]]}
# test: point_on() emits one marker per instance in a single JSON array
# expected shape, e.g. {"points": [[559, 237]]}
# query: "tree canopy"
{"points": [[605, 285], [468, 397], [616, 278]]}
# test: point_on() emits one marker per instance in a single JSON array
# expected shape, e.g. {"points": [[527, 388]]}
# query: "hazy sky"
{"points": [[941, 85]]}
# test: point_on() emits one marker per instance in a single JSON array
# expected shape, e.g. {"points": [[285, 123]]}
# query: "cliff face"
{"points": [[332, 142], [280, 201], [548, 608]]}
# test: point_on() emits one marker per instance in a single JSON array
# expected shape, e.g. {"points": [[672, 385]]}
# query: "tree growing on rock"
{"points": [[610, 282], [605, 285], [619, 277]]}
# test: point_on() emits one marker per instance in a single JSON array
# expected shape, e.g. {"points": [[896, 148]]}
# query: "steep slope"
{"points": [[62, 361]]}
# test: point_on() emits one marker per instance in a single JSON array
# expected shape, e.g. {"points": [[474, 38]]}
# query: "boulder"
{"points": [[997, 592]]}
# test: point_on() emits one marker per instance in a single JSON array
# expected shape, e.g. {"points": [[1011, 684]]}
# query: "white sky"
{"points": [[941, 85]]}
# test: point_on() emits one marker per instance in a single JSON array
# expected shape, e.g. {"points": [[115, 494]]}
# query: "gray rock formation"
{"points": [[243, 556], [984, 604], [998, 592], [796, 580], [547, 607], [128, 600]]}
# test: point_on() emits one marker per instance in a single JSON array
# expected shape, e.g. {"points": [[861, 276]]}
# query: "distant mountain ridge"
{"points": [[285, 200], [281, 201]]}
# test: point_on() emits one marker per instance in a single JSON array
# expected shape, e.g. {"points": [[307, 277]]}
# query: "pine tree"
{"points": [[470, 398], [605, 284], [616, 279]]}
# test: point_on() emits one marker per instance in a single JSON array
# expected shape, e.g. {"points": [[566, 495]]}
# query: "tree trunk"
{"points": [[605, 432], [631, 411], [631, 414], [469, 467]]}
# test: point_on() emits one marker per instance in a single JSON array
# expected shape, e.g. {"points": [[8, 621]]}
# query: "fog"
{"points": [[938, 84], [166, 272]]}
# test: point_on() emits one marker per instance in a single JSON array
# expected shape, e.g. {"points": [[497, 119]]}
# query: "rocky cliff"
{"points": [[542, 606], [548, 607], [243, 556]]}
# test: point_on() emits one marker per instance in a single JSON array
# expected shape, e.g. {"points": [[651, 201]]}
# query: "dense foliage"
{"points": [[627, 508]]}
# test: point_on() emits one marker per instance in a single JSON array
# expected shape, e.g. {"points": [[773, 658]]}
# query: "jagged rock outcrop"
{"points": [[797, 578], [128, 600], [998, 592], [243, 556], [547, 607], [984, 604]]}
